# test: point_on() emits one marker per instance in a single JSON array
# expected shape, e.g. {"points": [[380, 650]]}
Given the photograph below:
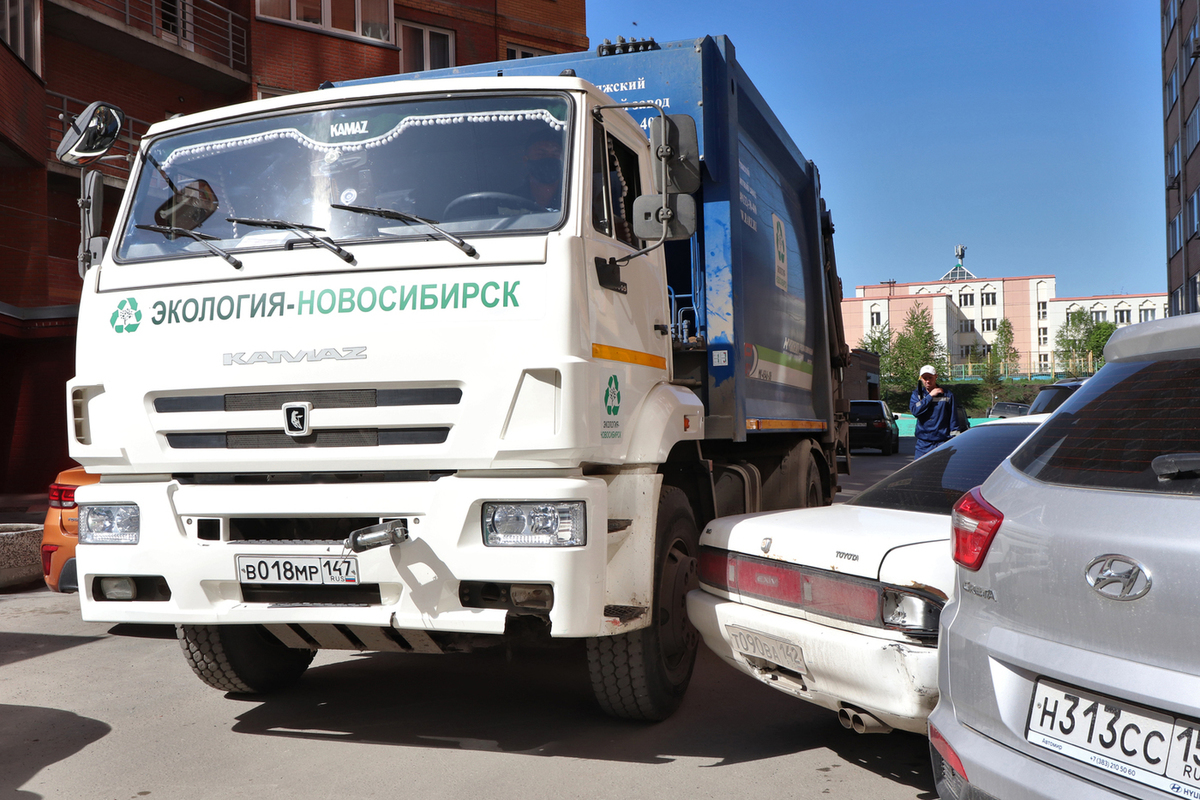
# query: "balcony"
{"points": [[195, 41]]}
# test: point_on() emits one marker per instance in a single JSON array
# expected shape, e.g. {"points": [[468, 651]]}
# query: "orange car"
{"points": [[61, 530]]}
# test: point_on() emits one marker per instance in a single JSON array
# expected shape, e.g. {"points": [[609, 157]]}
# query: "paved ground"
{"points": [[101, 712]]}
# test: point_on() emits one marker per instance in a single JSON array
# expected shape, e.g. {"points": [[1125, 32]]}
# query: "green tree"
{"points": [[1079, 337], [915, 345], [877, 340], [1004, 352], [991, 385]]}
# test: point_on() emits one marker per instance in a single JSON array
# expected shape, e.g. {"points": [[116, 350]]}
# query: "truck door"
{"points": [[630, 338]]}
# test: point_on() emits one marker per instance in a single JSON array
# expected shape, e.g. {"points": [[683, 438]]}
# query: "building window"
{"points": [[876, 319], [422, 47], [987, 298], [1170, 92], [1191, 213], [1173, 161], [1121, 316], [1189, 42], [515, 51], [964, 351], [1043, 337], [1043, 361], [1176, 303], [987, 351], [966, 299], [1146, 315], [1175, 234], [1191, 130], [20, 29], [1169, 14], [1100, 316], [1041, 310], [966, 326], [371, 19], [989, 324], [1193, 296]]}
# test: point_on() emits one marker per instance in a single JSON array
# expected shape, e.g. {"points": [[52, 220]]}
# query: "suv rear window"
{"points": [[860, 411], [1108, 434], [1049, 398]]}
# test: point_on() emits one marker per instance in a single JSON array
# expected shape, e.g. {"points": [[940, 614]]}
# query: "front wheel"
{"points": [[244, 659], [643, 674]]}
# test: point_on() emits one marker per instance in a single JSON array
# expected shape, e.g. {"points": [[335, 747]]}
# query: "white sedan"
{"points": [[839, 605]]}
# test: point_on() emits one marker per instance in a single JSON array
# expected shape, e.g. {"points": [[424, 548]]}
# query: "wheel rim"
{"points": [[677, 637]]}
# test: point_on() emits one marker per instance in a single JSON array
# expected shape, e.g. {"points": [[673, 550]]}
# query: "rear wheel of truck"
{"points": [[243, 659], [644, 674], [813, 494]]}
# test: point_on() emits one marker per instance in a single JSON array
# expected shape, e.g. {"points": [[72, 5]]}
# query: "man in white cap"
{"points": [[936, 411]]}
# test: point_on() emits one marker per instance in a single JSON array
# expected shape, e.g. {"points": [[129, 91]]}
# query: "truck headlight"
{"points": [[536, 524], [109, 524]]}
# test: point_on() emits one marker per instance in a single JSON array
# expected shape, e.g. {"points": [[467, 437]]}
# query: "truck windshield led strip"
{"points": [[343, 437], [333, 398]]}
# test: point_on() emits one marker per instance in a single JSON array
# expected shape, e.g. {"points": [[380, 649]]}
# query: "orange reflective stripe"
{"points": [[628, 356], [785, 425]]}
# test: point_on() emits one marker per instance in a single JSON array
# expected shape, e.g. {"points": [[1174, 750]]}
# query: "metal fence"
{"points": [[1030, 367], [197, 26]]}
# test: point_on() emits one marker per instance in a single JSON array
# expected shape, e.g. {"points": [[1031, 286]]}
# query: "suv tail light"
{"points": [[973, 525], [48, 551], [62, 495]]}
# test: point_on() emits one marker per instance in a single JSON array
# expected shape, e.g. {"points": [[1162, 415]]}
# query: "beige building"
{"points": [[967, 310]]}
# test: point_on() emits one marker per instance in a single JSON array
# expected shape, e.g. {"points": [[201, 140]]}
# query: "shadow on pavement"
{"points": [[16, 647], [540, 703], [32, 739]]}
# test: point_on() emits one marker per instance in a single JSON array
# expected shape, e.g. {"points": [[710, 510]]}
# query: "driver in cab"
{"points": [[543, 162]]}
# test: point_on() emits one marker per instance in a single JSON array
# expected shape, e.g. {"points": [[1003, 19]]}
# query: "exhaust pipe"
{"points": [[859, 721]]}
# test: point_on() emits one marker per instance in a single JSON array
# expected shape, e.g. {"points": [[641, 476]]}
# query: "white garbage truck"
{"points": [[433, 362]]}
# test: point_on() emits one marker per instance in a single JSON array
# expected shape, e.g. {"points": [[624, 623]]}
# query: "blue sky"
{"points": [[1030, 131]]}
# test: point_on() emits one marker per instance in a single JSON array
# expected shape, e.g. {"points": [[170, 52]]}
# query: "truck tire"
{"points": [[243, 659], [813, 494], [643, 675]]}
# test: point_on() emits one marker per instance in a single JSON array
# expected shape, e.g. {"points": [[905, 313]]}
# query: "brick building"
{"points": [[1181, 133], [155, 59]]}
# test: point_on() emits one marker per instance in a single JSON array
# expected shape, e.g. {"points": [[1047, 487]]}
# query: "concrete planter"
{"points": [[20, 554]]}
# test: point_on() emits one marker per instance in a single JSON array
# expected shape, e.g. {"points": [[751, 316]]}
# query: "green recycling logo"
{"points": [[127, 317], [612, 396]]}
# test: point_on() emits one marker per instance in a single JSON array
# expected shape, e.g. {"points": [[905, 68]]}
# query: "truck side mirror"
{"points": [[90, 135], [680, 148], [648, 211]]}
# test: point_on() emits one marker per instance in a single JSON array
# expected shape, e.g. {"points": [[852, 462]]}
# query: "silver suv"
{"points": [[1068, 664]]}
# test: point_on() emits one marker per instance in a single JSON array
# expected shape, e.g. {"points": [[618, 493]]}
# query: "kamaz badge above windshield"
{"points": [[428, 169]]}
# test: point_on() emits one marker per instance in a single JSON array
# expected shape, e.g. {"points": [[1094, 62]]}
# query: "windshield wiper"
{"points": [[304, 230], [1173, 466], [202, 238], [401, 216]]}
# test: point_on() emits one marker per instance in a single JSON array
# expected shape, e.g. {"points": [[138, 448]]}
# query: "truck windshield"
{"points": [[471, 165]]}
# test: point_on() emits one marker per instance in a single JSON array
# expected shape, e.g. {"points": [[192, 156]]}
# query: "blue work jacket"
{"points": [[936, 418]]}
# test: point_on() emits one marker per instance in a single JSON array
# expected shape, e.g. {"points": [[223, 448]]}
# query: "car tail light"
{"points": [[943, 749], [62, 495], [48, 551], [879, 423], [973, 525], [780, 582]]}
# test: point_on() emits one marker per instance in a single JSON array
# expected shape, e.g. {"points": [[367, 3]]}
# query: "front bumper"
{"points": [[418, 580], [894, 680]]}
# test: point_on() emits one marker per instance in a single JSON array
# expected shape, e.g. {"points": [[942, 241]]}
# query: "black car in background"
{"points": [[872, 424], [1052, 396]]}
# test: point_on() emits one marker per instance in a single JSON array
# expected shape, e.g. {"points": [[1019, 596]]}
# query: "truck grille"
{"points": [[296, 530], [333, 437], [332, 398]]}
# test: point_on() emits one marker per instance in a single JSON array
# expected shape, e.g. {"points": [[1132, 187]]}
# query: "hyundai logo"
{"points": [[1118, 577], [295, 418]]}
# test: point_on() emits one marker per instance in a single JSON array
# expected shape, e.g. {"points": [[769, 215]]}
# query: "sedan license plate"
{"points": [[298, 569], [858, 424], [768, 648], [1141, 744]]}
